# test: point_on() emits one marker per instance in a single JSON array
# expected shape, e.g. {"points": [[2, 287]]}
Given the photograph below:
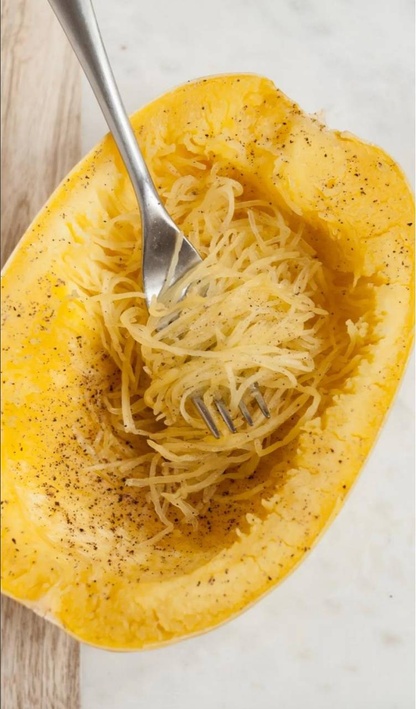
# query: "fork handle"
{"points": [[79, 23]]}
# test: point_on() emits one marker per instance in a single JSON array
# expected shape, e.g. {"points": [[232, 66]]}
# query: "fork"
{"points": [[167, 254]]}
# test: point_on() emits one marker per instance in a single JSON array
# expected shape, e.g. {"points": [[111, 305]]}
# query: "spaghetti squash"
{"points": [[125, 521]]}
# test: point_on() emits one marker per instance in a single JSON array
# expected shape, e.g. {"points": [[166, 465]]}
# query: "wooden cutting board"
{"points": [[40, 117]]}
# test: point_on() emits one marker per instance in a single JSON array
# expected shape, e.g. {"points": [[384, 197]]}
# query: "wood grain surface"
{"points": [[40, 112], [40, 118]]}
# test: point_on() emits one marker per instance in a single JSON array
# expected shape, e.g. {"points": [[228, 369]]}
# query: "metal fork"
{"points": [[164, 245]]}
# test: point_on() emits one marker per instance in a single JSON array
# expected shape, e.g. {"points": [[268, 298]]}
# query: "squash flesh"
{"points": [[106, 595]]}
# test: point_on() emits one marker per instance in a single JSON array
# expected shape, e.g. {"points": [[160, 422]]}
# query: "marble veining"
{"points": [[338, 632]]}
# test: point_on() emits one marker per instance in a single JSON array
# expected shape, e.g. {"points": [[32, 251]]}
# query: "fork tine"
{"points": [[205, 415], [223, 411], [166, 320], [244, 410], [260, 401]]}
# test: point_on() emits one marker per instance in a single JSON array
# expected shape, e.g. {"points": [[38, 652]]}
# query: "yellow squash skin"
{"points": [[68, 535]]}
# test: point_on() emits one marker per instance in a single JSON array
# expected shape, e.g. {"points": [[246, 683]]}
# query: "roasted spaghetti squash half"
{"points": [[124, 520]]}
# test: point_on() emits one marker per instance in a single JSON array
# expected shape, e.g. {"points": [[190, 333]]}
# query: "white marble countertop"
{"points": [[339, 632]]}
